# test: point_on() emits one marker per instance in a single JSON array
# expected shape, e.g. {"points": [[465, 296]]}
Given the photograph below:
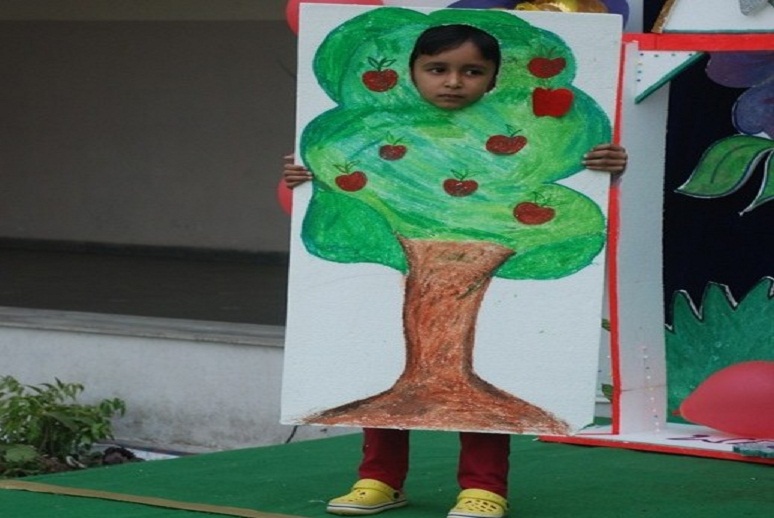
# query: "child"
{"points": [[452, 66]]}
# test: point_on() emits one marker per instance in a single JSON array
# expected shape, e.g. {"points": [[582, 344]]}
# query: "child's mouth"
{"points": [[451, 97]]}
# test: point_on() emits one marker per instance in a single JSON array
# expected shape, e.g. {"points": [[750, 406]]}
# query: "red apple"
{"points": [[459, 187], [392, 151], [546, 67], [381, 79], [531, 213], [505, 144], [352, 182], [547, 102]]}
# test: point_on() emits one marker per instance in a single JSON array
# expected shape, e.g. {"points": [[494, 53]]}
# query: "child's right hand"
{"points": [[293, 174]]}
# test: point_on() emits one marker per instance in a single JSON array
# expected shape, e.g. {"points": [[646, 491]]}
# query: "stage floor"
{"points": [[548, 480]]}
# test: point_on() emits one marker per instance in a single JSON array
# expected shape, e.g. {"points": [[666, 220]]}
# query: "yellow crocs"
{"points": [[368, 496], [478, 503]]}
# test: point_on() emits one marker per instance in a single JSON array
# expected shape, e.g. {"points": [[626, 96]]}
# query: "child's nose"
{"points": [[453, 80]]}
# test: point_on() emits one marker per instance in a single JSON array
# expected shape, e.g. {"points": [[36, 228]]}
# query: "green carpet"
{"points": [[547, 480]]}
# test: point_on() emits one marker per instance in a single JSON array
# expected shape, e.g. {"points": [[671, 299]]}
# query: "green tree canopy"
{"points": [[388, 164]]}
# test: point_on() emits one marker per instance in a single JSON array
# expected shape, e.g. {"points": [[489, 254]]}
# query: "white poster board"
{"points": [[643, 379], [535, 338]]}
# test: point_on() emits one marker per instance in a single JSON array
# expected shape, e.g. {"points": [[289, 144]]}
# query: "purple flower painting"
{"points": [[753, 112], [732, 161]]}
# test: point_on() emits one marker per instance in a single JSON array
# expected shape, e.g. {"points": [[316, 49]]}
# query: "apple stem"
{"points": [[379, 64], [392, 140], [512, 132], [539, 198], [346, 167]]}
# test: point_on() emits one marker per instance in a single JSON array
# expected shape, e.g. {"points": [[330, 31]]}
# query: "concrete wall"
{"points": [[152, 123], [156, 123], [188, 386]]}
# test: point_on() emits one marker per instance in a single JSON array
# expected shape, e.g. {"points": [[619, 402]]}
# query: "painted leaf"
{"points": [[767, 189], [726, 165], [716, 333]]}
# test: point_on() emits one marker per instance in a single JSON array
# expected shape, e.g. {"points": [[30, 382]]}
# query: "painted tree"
{"points": [[449, 198]]}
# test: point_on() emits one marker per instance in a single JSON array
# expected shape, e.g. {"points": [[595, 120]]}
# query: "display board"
{"points": [[447, 266]]}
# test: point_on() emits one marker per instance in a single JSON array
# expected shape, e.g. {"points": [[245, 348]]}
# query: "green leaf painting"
{"points": [[728, 164], [406, 196], [719, 333]]}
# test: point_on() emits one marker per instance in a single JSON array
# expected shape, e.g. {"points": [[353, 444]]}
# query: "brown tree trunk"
{"points": [[439, 389]]}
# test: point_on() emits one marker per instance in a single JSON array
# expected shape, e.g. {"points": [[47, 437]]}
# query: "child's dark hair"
{"points": [[447, 37]]}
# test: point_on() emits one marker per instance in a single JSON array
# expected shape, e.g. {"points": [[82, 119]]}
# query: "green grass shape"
{"points": [[720, 333]]}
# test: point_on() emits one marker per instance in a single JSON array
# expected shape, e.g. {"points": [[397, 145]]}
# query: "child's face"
{"points": [[455, 78]]}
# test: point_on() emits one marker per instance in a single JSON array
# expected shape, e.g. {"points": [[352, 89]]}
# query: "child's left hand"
{"points": [[610, 158]]}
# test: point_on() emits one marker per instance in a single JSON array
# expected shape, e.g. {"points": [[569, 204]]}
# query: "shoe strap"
{"points": [[375, 485], [482, 494]]}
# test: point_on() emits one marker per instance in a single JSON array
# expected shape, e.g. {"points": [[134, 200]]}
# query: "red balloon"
{"points": [[291, 9], [738, 400], [285, 196]]}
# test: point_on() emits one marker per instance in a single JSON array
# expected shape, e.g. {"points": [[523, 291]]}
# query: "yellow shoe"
{"points": [[368, 496], [478, 503]]}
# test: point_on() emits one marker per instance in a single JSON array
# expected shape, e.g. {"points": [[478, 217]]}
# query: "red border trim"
{"points": [[642, 446], [614, 226], [701, 42], [698, 42]]}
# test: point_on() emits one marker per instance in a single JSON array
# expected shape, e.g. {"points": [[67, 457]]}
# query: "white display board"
{"points": [[536, 339], [642, 381]]}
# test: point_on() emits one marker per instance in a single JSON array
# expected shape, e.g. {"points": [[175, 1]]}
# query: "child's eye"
{"points": [[474, 72]]}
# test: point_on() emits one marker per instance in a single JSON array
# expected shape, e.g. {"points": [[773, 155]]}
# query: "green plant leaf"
{"points": [[48, 419], [726, 165], [20, 454], [65, 420]]}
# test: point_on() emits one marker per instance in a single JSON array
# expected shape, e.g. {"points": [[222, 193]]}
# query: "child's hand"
{"points": [[609, 158], [293, 174]]}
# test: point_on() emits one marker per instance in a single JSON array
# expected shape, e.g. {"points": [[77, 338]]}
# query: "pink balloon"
{"points": [[285, 196], [291, 9], [738, 400]]}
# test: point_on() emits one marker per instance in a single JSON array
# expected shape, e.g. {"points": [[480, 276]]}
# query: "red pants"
{"points": [[483, 459]]}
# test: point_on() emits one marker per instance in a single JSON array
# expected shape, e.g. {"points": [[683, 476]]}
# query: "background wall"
{"points": [[157, 123], [148, 122]]}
